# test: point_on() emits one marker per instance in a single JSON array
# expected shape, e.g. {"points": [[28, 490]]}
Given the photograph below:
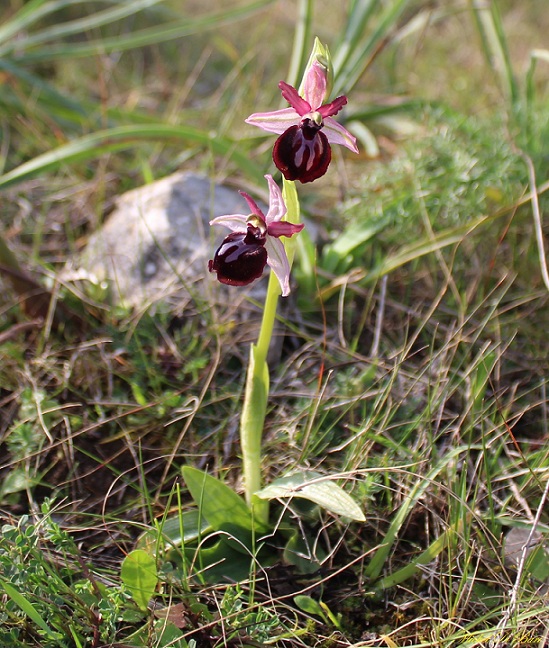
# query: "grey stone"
{"points": [[156, 244], [520, 543]]}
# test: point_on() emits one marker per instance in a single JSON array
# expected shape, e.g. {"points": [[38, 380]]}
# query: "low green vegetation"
{"points": [[413, 368]]}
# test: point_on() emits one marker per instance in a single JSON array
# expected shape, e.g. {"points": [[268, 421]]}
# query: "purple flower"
{"points": [[254, 241], [302, 152]]}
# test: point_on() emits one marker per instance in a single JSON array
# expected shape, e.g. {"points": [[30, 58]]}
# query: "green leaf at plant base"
{"points": [[165, 633], [297, 552], [318, 608], [530, 546], [187, 526], [140, 576], [538, 563], [309, 605], [16, 481], [221, 562], [220, 506], [316, 488]]}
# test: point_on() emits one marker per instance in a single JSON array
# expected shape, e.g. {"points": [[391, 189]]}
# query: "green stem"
{"points": [[267, 323], [257, 381], [255, 404]]}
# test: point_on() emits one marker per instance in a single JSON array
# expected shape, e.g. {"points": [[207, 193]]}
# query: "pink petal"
{"points": [[337, 134], [252, 205], [314, 85], [277, 206], [300, 105], [279, 264], [276, 121], [333, 107], [235, 222], [284, 228]]}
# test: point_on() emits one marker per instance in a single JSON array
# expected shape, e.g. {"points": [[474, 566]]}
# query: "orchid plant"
{"points": [[302, 152]]}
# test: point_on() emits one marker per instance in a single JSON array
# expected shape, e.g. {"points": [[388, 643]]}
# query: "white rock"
{"points": [[156, 244]]}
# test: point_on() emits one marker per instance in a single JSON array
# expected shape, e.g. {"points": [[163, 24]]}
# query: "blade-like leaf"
{"points": [[217, 503], [316, 488], [297, 552], [140, 38], [186, 527], [427, 556], [301, 40], [360, 45], [358, 18], [122, 137], [309, 605], [289, 193], [30, 13], [27, 607], [83, 25], [334, 254], [377, 563], [220, 562], [46, 90]]}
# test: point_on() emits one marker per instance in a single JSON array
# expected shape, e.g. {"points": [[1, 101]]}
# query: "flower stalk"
{"points": [[257, 381], [302, 152]]}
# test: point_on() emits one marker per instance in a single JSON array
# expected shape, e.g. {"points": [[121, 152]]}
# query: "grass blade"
{"points": [[376, 565], [30, 13], [81, 25], [302, 37], [92, 146], [494, 44], [28, 608], [57, 101], [143, 37], [426, 245], [356, 60], [424, 558], [356, 23]]}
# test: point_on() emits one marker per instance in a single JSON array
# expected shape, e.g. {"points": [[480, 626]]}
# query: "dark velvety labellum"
{"points": [[302, 152], [241, 258]]}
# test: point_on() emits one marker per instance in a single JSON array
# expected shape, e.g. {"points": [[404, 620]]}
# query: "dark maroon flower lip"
{"points": [[241, 257], [302, 152]]}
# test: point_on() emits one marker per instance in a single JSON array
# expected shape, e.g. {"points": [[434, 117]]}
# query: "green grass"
{"points": [[414, 365]]}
